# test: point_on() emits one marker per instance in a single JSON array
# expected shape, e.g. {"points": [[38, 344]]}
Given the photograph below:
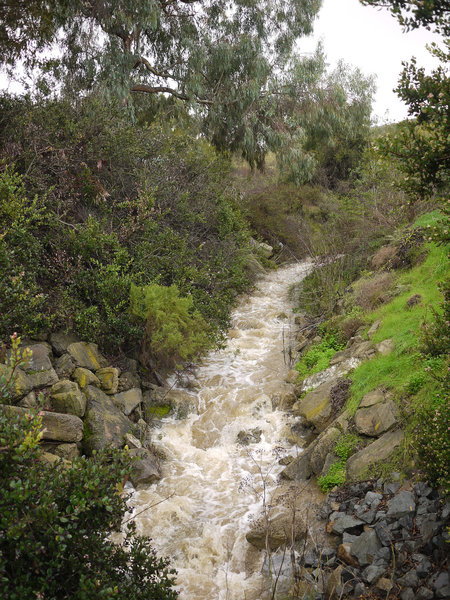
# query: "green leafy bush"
{"points": [[346, 445], [175, 333], [335, 477], [432, 420], [23, 305], [102, 202]]}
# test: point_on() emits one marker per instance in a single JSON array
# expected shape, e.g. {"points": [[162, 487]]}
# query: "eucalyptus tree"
{"points": [[233, 64]]}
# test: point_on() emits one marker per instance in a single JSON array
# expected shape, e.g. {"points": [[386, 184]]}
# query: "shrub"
{"points": [[350, 326], [175, 333], [101, 202], [23, 305], [435, 335], [336, 476], [432, 420], [431, 439], [346, 445], [372, 292]]}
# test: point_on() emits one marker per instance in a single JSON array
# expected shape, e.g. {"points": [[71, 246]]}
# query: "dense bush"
{"points": [[92, 202], [56, 523], [433, 419], [175, 333]]}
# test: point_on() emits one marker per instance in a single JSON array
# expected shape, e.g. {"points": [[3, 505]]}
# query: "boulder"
{"points": [[378, 450], [181, 401], [85, 377], [363, 351], [128, 380], [67, 451], [284, 400], [131, 441], [340, 356], [129, 400], [65, 366], [295, 435], [24, 383], [105, 424], [249, 437], [316, 407], [377, 419], [262, 248], [278, 529], [385, 347], [373, 397], [55, 426], [300, 468], [365, 547], [374, 328], [30, 401], [60, 341], [87, 356], [347, 523], [253, 266], [345, 556], [66, 397], [62, 427], [50, 459], [292, 376], [401, 505], [145, 469], [40, 359], [330, 459], [322, 446], [109, 379]]}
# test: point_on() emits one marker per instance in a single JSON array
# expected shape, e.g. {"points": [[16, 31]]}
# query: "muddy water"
{"points": [[212, 483]]}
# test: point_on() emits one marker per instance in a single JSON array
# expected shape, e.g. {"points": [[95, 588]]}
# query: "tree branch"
{"points": [[147, 89]]}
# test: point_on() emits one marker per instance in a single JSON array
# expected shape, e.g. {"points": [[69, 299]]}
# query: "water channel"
{"points": [[211, 482]]}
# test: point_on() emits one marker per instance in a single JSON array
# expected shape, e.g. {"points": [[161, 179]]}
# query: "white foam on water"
{"points": [[211, 483]]}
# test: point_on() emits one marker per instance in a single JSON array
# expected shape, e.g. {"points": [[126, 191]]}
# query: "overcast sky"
{"points": [[372, 40]]}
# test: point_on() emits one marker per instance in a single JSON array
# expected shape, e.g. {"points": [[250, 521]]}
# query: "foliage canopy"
{"points": [[234, 65]]}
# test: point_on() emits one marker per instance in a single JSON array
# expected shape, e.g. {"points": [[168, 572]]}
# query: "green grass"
{"points": [[317, 358], [402, 324]]}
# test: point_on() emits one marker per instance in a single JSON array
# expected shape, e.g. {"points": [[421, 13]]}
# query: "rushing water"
{"points": [[203, 520]]}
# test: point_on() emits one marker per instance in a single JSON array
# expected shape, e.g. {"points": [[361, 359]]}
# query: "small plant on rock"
{"points": [[337, 473]]}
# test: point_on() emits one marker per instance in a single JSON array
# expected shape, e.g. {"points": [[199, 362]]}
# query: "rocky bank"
{"points": [[87, 404]]}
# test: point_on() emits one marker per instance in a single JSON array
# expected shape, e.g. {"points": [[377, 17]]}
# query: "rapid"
{"points": [[199, 513]]}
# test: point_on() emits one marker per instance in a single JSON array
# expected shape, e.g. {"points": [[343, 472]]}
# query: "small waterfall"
{"points": [[201, 509]]}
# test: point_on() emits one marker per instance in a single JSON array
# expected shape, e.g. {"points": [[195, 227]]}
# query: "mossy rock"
{"points": [[104, 423]]}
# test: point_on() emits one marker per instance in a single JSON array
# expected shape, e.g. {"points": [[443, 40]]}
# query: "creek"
{"points": [[212, 484]]}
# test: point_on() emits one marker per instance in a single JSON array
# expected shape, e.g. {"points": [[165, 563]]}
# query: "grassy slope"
{"points": [[418, 394], [402, 324]]}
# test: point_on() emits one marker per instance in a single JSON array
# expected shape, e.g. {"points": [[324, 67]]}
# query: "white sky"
{"points": [[371, 39]]}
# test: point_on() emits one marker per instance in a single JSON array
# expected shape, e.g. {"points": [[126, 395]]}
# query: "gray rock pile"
{"points": [[387, 540]]}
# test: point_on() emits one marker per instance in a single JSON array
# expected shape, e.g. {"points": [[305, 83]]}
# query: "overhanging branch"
{"points": [[148, 89]]}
